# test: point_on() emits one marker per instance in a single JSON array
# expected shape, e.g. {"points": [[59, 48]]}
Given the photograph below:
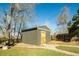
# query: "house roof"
{"points": [[35, 28]]}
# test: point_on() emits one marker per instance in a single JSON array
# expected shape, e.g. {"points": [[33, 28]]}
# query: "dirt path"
{"points": [[53, 47], [47, 46], [69, 46]]}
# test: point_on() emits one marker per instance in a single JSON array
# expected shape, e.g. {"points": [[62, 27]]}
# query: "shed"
{"points": [[37, 35]]}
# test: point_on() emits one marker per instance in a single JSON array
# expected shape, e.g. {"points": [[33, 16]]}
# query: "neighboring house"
{"points": [[75, 38], [63, 37], [15, 35], [37, 35]]}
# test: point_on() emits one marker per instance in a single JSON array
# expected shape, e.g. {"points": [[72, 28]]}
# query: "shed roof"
{"points": [[35, 28]]}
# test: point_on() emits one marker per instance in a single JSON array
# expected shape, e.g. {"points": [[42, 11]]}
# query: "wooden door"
{"points": [[43, 37]]}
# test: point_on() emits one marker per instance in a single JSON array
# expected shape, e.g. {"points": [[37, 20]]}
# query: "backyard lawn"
{"points": [[70, 49], [18, 51]]}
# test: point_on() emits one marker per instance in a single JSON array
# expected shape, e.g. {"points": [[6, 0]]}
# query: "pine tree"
{"points": [[73, 26]]}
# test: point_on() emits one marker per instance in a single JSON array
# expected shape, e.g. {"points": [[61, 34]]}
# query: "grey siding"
{"points": [[48, 36], [30, 37], [39, 37], [34, 36]]}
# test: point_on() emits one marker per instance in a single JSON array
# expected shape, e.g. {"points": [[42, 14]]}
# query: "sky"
{"points": [[47, 13]]}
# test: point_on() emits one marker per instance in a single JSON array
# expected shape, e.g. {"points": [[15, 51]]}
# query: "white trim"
{"points": [[43, 29]]}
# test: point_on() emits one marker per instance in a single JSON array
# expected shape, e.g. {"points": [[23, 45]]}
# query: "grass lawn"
{"points": [[18, 51], [70, 49]]}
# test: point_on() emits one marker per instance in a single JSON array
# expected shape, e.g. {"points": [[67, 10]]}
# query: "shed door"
{"points": [[43, 37]]}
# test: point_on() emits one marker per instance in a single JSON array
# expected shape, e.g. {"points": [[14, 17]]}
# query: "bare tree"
{"points": [[3, 20], [22, 13], [62, 20]]}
